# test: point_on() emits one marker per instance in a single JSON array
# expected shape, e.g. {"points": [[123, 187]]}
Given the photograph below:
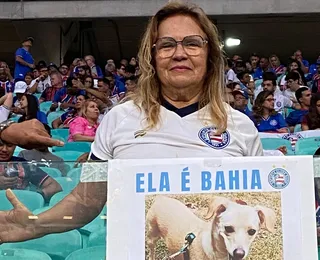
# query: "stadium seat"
{"points": [[52, 172], [275, 143], [95, 225], [58, 137], [98, 238], [61, 132], [94, 253], [68, 156], [40, 210], [45, 106], [297, 128], [75, 173], [74, 146], [257, 83], [52, 116], [32, 200], [38, 95], [17, 150], [15, 118], [67, 184], [57, 246], [57, 198], [307, 146], [25, 254]]}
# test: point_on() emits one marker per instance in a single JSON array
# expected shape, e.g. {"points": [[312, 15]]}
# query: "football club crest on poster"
{"points": [[279, 178], [210, 137]]}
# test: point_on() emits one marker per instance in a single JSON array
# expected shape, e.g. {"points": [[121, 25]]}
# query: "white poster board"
{"points": [[259, 207]]}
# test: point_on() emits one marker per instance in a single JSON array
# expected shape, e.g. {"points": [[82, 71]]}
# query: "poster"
{"points": [[256, 208]]}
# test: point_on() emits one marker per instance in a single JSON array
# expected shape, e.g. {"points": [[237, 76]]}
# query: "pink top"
{"points": [[80, 125]]}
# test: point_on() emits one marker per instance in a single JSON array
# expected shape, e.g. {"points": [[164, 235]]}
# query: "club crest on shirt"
{"points": [[209, 136], [278, 104], [273, 122]]}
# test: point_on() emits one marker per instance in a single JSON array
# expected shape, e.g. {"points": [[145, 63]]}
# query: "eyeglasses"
{"points": [[192, 45], [270, 99]]}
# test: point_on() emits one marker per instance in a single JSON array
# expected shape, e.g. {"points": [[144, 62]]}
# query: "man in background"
{"points": [[24, 60]]}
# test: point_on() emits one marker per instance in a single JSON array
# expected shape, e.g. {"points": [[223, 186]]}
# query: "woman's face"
{"points": [[23, 102], [28, 79], [318, 107], [293, 66], [93, 110], [274, 61], [80, 101], [181, 70], [268, 102], [88, 82]]}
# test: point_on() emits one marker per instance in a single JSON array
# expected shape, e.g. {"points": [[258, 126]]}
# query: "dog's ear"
{"points": [[216, 206], [267, 218]]}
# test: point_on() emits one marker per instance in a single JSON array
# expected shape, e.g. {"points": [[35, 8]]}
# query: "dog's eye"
{"points": [[229, 229], [251, 232]]}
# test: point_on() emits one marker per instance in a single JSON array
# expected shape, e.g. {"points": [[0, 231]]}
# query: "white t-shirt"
{"points": [[121, 135], [291, 94], [231, 76], [42, 85]]}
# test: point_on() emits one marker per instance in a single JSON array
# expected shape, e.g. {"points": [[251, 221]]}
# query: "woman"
{"points": [[311, 121], [29, 103], [178, 112], [276, 65], [265, 118], [66, 118], [84, 127]]}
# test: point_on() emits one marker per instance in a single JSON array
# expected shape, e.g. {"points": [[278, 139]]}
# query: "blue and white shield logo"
{"points": [[210, 137], [279, 178]]}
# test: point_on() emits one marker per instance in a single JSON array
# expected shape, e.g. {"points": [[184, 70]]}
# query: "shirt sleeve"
{"points": [[77, 126], [287, 102], [38, 177], [282, 122], [4, 113], [20, 53]]}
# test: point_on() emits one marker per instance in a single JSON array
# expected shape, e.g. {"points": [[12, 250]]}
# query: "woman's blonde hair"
{"points": [[83, 110], [148, 96]]}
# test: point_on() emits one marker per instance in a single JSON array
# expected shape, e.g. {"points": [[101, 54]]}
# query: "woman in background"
{"points": [[84, 127], [29, 103], [265, 118], [311, 121]]}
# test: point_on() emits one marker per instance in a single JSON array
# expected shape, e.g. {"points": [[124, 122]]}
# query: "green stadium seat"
{"points": [[95, 225], [92, 253], [32, 200], [57, 246], [74, 146], [38, 95], [45, 106], [297, 128], [64, 133], [17, 150], [307, 146], [40, 210], [22, 254], [67, 184], [275, 143], [57, 198], [98, 238], [52, 172], [75, 173], [53, 116]]}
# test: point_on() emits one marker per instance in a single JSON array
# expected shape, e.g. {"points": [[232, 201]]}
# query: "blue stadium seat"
{"points": [[67, 184], [68, 156], [75, 173], [52, 172], [307, 146], [54, 115], [275, 143], [74, 146], [22, 254], [32, 200], [57, 198], [57, 246], [45, 106], [64, 133], [98, 238], [94, 253]]}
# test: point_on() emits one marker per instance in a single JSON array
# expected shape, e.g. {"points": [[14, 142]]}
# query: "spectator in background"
{"points": [[28, 79], [56, 84], [6, 83], [227, 94], [124, 62], [254, 60], [64, 70], [18, 175], [229, 73], [110, 67], [303, 96], [304, 63], [293, 66], [96, 71], [117, 88], [24, 60], [240, 102], [121, 73], [240, 66], [6, 102], [66, 118], [293, 80], [42, 82], [20, 89], [265, 118], [52, 68], [131, 84], [84, 127], [29, 103], [276, 65], [43, 154], [316, 79], [36, 72], [311, 120], [264, 66]]}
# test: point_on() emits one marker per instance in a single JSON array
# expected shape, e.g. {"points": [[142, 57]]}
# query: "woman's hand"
{"points": [[16, 224]]}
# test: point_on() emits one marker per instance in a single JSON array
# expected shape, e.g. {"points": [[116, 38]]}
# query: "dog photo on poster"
{"points": [[223, 226]]}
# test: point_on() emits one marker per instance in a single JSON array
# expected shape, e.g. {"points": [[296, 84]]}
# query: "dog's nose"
{"points": [[238, 253]]}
